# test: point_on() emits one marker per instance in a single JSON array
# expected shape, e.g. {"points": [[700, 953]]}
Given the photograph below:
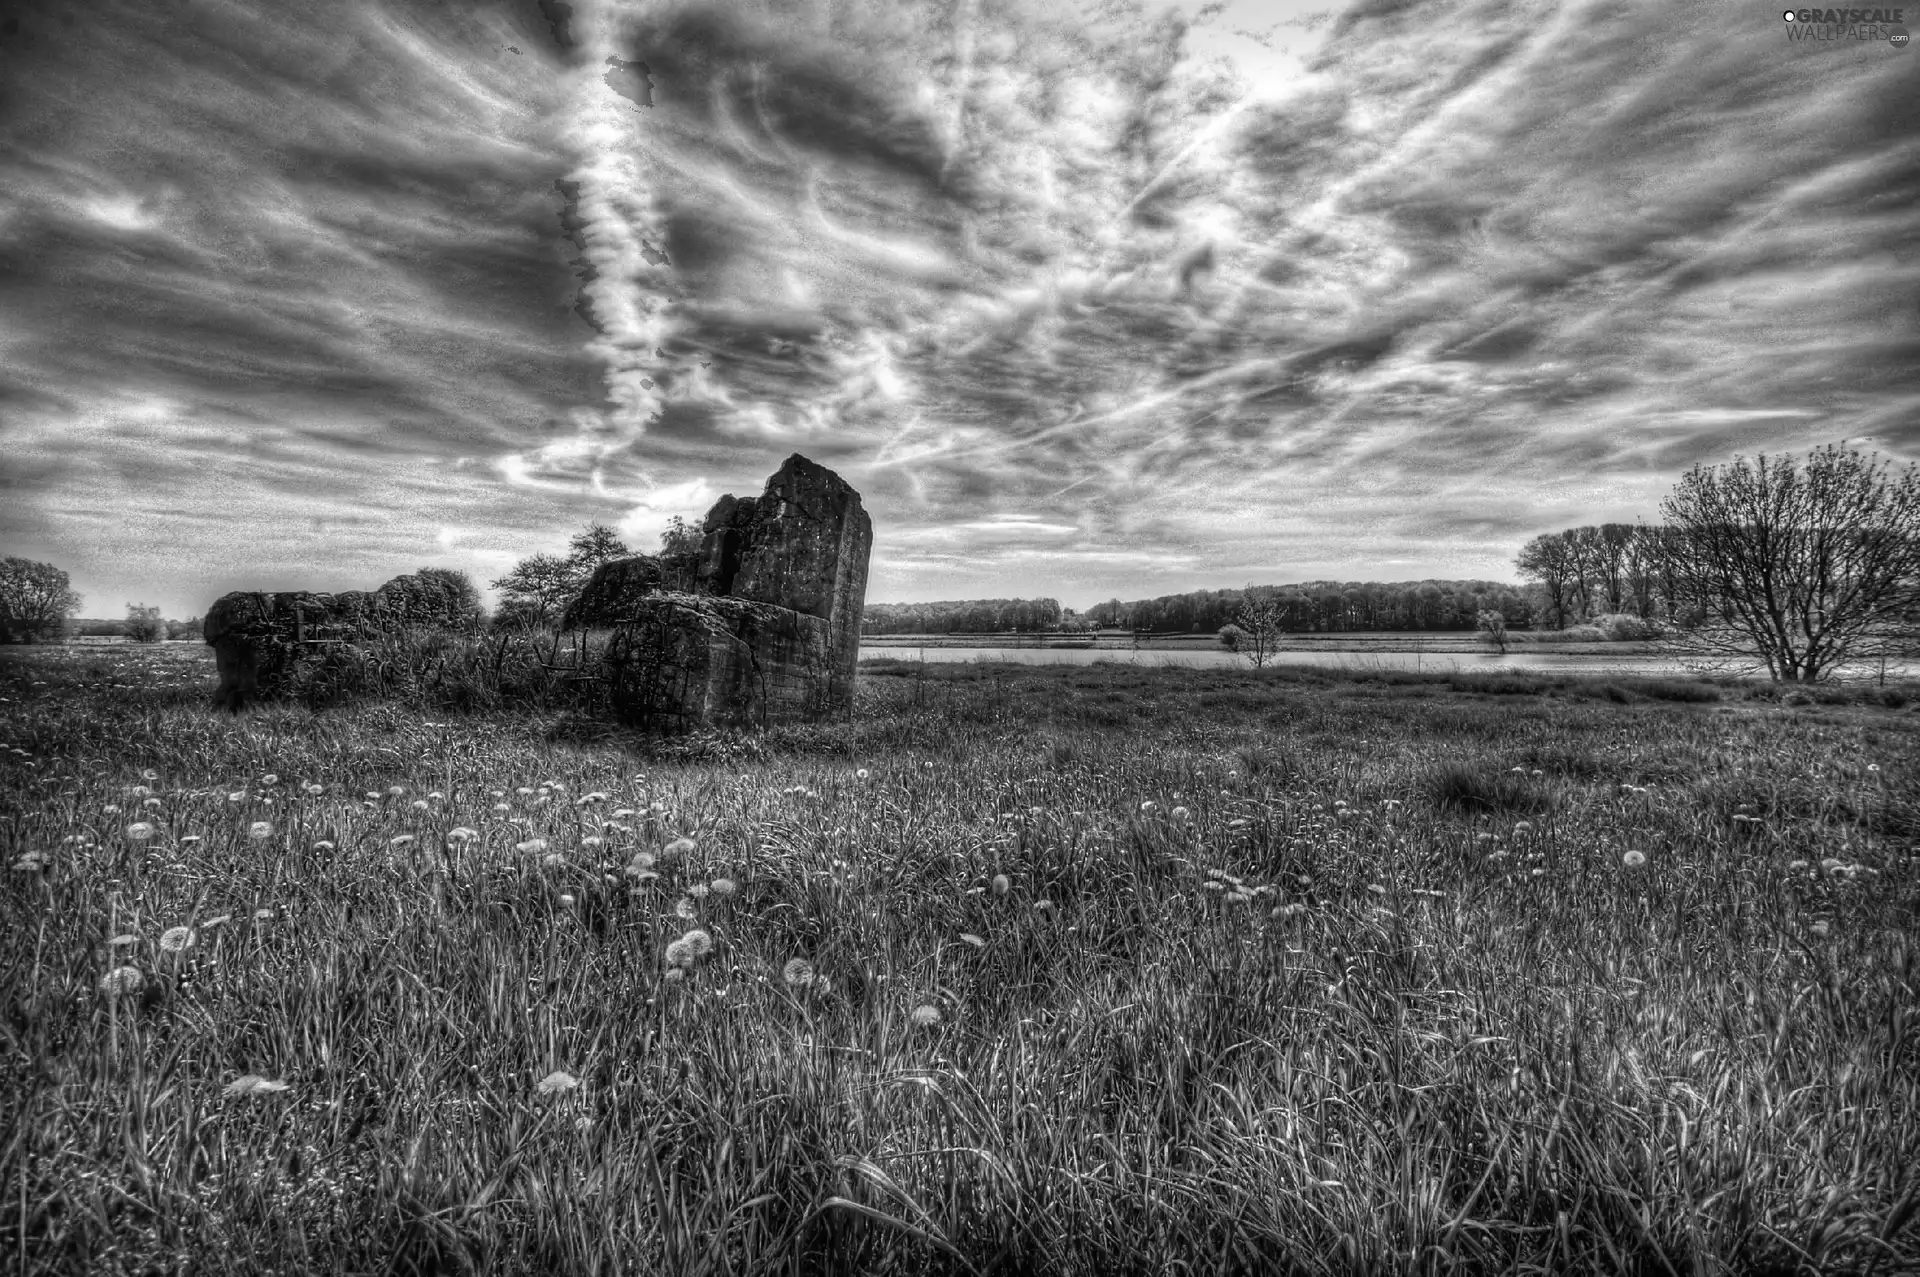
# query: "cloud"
{"points": [[1070, 299]]}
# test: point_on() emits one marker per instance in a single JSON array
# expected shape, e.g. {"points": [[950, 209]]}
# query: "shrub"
{"points": [[1624, 627], [1675, 690]]}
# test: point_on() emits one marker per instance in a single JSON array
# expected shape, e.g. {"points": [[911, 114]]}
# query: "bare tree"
{"points": [[36, 600], [1493, 624], [1804, 567], [1260, 623]]}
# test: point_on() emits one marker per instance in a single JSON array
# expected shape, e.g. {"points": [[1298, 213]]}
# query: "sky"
{"points": [[1087, 300]]}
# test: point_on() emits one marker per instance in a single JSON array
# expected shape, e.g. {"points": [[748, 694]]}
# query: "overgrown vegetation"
{"points": [[1026, 969]]}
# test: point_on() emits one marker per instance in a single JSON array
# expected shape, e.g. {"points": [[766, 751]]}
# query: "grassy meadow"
{"points": [[1022, 970]]}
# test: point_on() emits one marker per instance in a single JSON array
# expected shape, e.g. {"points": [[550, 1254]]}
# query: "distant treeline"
{"points": [[1343, 606], [98, 627], [969, 616]]}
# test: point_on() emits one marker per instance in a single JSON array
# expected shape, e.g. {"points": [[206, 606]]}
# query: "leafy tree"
{"points": [[1548, 560], [144, 624], [36, 600], [598, 544], [538, 590], [680, 553], [1231, 636], [1805, 566]]}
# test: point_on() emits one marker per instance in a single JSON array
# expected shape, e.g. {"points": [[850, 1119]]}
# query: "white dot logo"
{"points": [[1788, 15]]}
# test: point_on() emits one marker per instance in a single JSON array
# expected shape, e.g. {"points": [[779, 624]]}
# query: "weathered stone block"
{"points": [[774, 632]]}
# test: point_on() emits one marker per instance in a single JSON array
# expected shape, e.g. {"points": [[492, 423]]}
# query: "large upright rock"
{"points": [[773, 632]]}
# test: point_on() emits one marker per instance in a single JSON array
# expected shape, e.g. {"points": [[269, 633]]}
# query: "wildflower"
{"points": [[1873, 767], [1148, 807], [1043, 906], [597, 796], [174, 939], [798, 973], [553, 860], [1288, 911], [237, 796], [436, 796], [822, 985], [262, 915], [501, 808], [460, 833], [218, 920], [253, 1084], [673, 973], [1377, 889], [139, 831], [684, 910], [566, 899], [421, 804], [259, 829], [269, 779], [557, 1082], [1000, 885], [153, 804], [1538, 772], [926, 1016], [1179, 813], [1522, 826], [151, 774], [531, 845], [678, 847], [314, 790], [698, 942], [973, 940], [397, 791], [139, 791], [624, 813], [400, 840], [323, 845], [1819, 929], [111, 809], [125, 937], [1794, 865], [121, 981], [698, 891], [1833, 864], [861, 774], [1634, 859], [722, 887]]}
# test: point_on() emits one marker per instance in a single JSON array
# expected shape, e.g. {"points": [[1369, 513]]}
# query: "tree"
{"points": [[1547, 559], [680, 553], [1493, 624], [1803, 566], [36, 600], [1260, 624], [1231, 636], [598, 544], [144, 624], [538, 590]]}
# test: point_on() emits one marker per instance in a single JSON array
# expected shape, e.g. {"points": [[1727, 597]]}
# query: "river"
{"points": [[1515, 661]]}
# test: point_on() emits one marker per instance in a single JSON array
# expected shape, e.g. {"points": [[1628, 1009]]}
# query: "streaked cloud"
{"points": [[1086, 301]]}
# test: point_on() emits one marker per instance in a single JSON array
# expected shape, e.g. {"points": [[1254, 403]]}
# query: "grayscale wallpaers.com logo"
{"points": [[1818, 25]]}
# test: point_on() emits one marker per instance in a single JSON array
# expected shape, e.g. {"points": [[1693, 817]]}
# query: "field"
{"points": [[1024, 969]]}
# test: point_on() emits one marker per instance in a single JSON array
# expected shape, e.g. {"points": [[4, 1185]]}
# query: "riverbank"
{"points": [[1441, 642]]}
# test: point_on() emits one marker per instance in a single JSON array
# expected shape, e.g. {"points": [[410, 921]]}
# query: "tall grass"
{"points": [[1229, 971]]}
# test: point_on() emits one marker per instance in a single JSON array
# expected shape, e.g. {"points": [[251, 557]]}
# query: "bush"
{"points": [[1624, 627], [1672, 690]]}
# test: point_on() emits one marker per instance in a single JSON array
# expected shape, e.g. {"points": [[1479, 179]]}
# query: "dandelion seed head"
{"points": [[400, 840], [558, 1082], [698, 942], [697, 890], [684, 909], [926, 1015], [566, 899], [1634, 859], [722, 887], [675, 973], [323, 845], [678, 847], [253, 1084], [175, 939], [149, 774], [862, 774], [139, 831], [121, 981], [798, 972], [1001, 885], [259, 829], [973, 940]]}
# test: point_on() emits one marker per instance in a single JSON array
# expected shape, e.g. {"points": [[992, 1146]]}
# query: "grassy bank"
{"points": [[1101, 969]]}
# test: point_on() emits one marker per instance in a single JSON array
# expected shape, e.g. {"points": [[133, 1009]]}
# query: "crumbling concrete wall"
{"points": [[773, 633]]}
